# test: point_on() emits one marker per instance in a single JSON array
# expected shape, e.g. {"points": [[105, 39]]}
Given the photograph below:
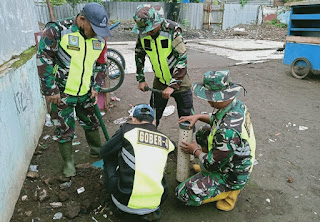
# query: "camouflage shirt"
{"points": [[178, 52], [229, 154], [53, 68]]}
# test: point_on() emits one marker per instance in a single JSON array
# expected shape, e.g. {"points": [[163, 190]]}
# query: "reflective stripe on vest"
{"points": [[246, 134], [158, 51], [84, 54], [147, 188]]}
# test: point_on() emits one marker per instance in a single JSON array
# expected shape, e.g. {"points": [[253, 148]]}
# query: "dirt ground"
{"points": [[285, 182]]}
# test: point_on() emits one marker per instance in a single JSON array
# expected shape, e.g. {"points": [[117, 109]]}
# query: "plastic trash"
{"points": [[121, 120], [65, 185], [57, 216], [303, 128], [25, 197], [114, 98], [56, 204], [33, 168], [80, 190], [46, 137], [48, 122], [98, 164], [169, 110]]}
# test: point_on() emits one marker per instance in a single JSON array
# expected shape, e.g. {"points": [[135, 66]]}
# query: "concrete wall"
{"points": [[281, 13], [18, 22], [22, 109], [22, 117]]}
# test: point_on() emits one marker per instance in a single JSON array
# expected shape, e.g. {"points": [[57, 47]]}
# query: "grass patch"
{"points": [[276, 23], [24, 57]]}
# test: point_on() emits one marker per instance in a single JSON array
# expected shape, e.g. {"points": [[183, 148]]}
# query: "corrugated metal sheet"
{"points": [[42, 13], [65, 11], [251, 2], [235, 14], [191, 15]]}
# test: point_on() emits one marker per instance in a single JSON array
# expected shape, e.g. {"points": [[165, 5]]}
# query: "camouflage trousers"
{"points": [[200, 187], [62, 116]]}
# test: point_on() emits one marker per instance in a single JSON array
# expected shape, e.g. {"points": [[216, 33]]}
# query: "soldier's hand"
{"points": [[94, 94], [142, 86], [191, 119], [188, 148], [167, 92], [56, 99]]}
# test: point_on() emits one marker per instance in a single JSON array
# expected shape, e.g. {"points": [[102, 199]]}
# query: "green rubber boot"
{"points": [[66, 151], [94, 142]]}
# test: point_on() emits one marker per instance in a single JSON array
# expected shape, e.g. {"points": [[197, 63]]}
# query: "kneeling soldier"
{"points": [[134, 164], [229, 152]]}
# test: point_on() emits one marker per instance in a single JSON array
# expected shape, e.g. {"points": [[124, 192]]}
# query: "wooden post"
{"points": [[207, 8], [50, 10]]}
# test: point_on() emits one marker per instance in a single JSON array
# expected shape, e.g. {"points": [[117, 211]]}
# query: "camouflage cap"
{"points": [[216, 87], [159, 9], [146, 18]]}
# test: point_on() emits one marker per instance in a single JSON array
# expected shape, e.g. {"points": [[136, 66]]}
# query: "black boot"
{"points": [[66, 151], [94, 142]]}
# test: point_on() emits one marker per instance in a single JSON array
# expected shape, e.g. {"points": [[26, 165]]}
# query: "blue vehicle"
{"points": [[302, 46]]}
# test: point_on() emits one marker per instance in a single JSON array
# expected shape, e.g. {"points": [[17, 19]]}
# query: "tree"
{"points": [[57, 2], [73, 3], [97, 1]]}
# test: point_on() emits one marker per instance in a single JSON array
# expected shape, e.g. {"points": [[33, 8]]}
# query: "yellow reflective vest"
{"points": [[159, 51], [142, 153], [151, 150], [82, 54]]}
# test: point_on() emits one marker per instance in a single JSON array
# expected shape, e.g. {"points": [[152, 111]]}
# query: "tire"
{"points": [[300, 68], [117, 55], [115, 75]]}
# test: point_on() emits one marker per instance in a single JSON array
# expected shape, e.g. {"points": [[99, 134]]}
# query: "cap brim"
{"points": [[135, 29], [216, 96], [149, 28], [103, 32]]}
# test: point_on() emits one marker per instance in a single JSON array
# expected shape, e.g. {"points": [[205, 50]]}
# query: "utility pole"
{"points": [[50, 10]]}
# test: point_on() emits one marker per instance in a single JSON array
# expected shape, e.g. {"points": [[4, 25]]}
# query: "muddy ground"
{"points": [[285, 182]]}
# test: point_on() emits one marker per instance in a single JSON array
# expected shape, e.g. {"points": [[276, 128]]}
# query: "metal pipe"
{"points": [[183, 159]]}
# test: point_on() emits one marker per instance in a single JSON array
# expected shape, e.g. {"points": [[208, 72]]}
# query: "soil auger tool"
{"points": [[147, 88], [103, 126], [99, 163]]}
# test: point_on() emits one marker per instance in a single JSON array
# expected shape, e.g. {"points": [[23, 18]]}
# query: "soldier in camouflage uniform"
{"points": [[161, 40], [71, 65], [228, 161]]}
